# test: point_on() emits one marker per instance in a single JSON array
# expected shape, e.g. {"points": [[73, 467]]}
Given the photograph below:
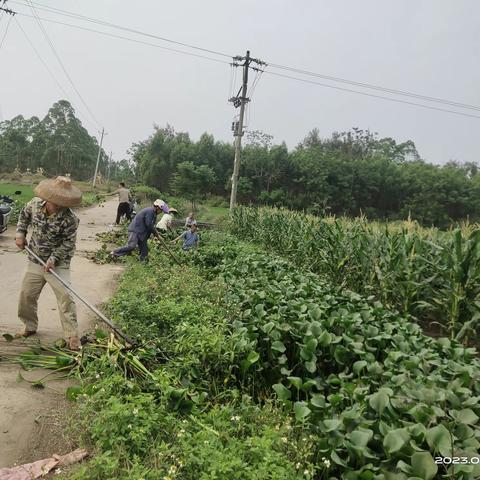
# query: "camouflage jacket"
{"points": [[53, 236]]}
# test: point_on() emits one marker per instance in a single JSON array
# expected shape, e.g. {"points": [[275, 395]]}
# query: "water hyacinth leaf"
{"points": [[333, 380], [318, 400], [325, 339], [462, 431], [252, 358], [301, 411], [418, 430], [311, 366], [444, 342], [311, 345], [472, 443], [375, 368], [440, 440], [283, 393], [395, 440], [335, 399], [366, 475], [359, 366], [315, 313], [423, 465], [278, 346], [316, 328], [268, 327], [335, 458], [404, 467], [379, 401], [296, 382], [260, 310], [331, 424], [361, 437], [309, 384], [341, 354], [467, 416]]}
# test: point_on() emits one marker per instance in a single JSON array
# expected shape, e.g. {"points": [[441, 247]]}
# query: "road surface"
{"points": [[22, 432]]}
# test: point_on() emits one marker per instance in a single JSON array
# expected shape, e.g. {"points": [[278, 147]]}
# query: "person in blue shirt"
{"points": [[139, 231], [190, 238]]}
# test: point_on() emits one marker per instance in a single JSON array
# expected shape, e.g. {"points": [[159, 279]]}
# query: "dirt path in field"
{"points": [[29, 418]]}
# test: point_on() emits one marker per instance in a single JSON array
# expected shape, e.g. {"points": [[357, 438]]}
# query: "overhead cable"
{"points": [[57, 56], [390, 99]]}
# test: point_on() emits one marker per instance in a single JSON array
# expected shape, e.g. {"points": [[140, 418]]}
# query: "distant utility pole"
{"points": [[240, 101], [98, 159]]}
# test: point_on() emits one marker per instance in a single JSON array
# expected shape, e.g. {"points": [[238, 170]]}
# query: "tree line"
{"points": [[348, 173], [56, 144]]}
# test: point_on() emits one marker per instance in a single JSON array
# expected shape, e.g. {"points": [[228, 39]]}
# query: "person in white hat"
{"points": [[139, 231], [166, 222], [54, 232]]}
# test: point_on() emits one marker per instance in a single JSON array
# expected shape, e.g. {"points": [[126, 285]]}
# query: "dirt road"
{"points": [[21, 406]]}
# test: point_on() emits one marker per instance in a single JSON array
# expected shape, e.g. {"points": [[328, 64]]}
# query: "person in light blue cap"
{"points": [[139, 231]]}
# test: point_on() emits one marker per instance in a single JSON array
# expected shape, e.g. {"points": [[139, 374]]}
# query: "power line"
{"points": [[277, 66], [377, 87], [55, 79], [113, 35], [273, 65], [49, 41], [120, 27], [6, 11], [397, 100], [6, 31]]}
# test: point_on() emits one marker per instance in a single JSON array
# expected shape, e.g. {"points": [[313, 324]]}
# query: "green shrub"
{"points": [[144, 193], [217, 201]]}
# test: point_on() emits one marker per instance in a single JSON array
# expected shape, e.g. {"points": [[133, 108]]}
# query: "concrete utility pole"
{"points": [[238, 133], [240, 101], [98, 159]]}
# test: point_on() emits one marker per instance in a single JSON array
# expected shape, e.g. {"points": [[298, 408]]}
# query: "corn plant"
{"points": [[425, 272]]}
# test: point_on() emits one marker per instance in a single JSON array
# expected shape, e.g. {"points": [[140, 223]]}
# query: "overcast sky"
{"points": [[429, 47]]}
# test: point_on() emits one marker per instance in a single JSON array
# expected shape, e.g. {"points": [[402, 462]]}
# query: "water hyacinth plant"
{"points": [[384, 398]]}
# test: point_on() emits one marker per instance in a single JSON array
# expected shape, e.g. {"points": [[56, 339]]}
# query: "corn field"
{"points": [[432, 275]]}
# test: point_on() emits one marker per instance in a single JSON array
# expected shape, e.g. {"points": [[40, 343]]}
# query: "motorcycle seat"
{"points": [[4, 209]]}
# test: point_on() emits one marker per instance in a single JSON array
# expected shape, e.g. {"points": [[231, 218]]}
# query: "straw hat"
{"points": [[172, 210], [59, 191]]}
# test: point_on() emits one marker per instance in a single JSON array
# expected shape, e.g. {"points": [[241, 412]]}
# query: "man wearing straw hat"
{"points": [[54, 232]]}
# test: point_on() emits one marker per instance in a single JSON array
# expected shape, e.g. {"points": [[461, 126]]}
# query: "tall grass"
{"points": [[433, 275]]}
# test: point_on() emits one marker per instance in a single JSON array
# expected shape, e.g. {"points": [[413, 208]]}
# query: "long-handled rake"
{"points": [[159, 238], [94, 309]]}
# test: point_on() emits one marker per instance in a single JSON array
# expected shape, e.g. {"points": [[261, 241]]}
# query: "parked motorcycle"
{"points": [[6, 210]]}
